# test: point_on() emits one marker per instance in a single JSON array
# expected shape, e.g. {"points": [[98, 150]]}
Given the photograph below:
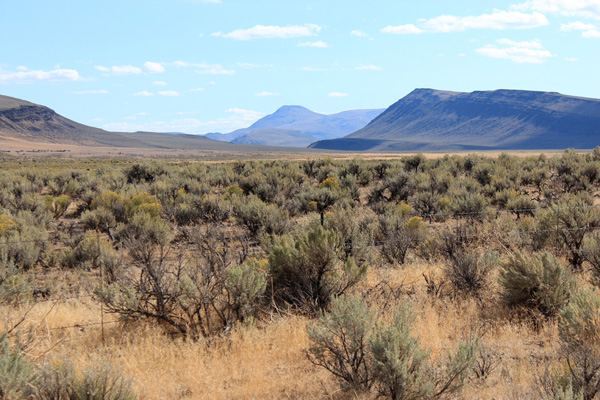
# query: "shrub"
{"points": [[308, 271], [579, 332], [402, 368], [339, 341], [356, 232], [196, 296], [469, 272], [398, 234], [15, 286], [60, 380], [568, 223], [16, 372], [258, 216], [538, 282], [100, 219]]}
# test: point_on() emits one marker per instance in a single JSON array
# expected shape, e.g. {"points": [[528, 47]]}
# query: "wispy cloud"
{"points": [[319, 43], [55, 75], [587, 30], [271, 32], [236, 118], [204, 68], [159, 83], [370, 67], [519, 52], [408, 29], [266, 94], [153, 67], [253, 65], [574, 8], [144, 93], [497, 20], [337, 94], [101, 91], [200, 89], [358, 34], [169, 93]]}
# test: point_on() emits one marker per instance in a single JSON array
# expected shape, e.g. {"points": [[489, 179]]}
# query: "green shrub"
{"points": [[258, 216], [308, 271], [99, 219], [538, 282], [398, 234], [355, 231], [468, 271], [339, 341], [16, 372], [246, 285], [568, 223], [579, 332], [402, 368], [60, 380], [15, 286]]}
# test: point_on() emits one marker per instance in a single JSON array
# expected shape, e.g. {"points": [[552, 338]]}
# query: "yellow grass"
{"points": [[267, 361]]}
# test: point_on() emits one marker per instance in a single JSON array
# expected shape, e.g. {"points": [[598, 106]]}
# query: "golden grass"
{"points": [[267, 361]]}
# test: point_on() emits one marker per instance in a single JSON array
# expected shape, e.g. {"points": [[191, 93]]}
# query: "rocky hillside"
{"points": [[428, 119]]}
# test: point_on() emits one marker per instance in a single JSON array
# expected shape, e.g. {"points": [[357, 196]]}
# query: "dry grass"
{"points": [[267, 361]]}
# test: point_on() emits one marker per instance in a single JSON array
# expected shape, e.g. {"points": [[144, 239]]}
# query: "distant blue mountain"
{"points": [[436, 120], [300, 124]]}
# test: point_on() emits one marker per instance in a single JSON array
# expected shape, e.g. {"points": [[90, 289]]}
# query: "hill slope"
{"points": [[276, 137], [301, 119], [25, 121], [428, 119]]}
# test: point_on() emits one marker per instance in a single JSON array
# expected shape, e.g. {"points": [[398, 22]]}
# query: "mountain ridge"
{"points": [[301, 119], [498, 119]]}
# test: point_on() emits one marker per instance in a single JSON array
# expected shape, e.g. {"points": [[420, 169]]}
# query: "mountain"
{"points": [[428, 119], [301, 119], [276, 137], [22, 121]]}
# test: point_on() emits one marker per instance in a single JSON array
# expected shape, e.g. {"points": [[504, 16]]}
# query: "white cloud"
{"points": [[588, 30], [251, 65], [102, 91], [40, 76], [236, 118], [337, 94], [204, 68], [518, 52], [319, 43], [407, 29], [200, 89], [574, 8], [370, 67], [358, 34], [271, 31], [265, 94], [498, 20], [170, 93], [101, 68], [159, 83], [153, 67], [143, 93], [22, 68], [126, 70]]}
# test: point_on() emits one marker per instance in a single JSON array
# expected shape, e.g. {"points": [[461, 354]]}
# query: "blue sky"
{"points": [[200, 66]]}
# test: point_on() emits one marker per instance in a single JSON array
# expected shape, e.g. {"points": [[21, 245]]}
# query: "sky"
{"points": [[199, 66]]}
